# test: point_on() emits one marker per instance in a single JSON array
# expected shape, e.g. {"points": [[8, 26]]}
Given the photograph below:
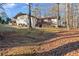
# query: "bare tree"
{"points": [[75, 15], [58, 16], [37, 11], [54, 10], [67, 15]]}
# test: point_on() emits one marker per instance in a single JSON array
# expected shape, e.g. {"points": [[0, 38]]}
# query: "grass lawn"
{"points": [[17, 41], [26, 36]]}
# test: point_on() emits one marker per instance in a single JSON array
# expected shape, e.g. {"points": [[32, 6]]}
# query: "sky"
{"points": [[15, 8], [12, 9]]}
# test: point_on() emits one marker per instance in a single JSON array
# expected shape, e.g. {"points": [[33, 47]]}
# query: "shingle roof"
{"points": [[20, 14]]}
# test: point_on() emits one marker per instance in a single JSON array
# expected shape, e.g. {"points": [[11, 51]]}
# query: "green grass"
{"points": [[32, 35], [31, 32], [4, 28]]}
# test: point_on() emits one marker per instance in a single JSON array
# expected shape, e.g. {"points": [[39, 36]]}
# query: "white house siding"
{"points": [[54, 21], [62, 23], [46, 20], [23, 19], [33, 21]]}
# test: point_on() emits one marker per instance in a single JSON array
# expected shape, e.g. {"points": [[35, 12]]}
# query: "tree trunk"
{"points": [[58, 15], [30, 15], [67, 15]]}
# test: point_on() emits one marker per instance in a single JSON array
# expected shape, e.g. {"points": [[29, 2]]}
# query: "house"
{"points": [[47, 21], [21, 19], [51, 22], [13, 22]]}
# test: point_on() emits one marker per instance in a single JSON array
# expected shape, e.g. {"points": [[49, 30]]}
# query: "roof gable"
{"points": [[20, 14]]}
